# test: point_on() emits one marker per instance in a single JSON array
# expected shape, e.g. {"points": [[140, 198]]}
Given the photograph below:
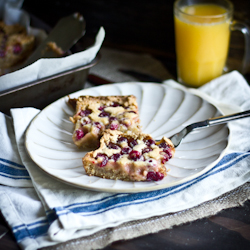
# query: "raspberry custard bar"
{"points": [[15, 45], [93, 115], [129, 157]]}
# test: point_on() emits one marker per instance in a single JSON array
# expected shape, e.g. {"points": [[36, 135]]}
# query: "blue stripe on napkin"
{"points": [[91, 208], [31, 230], [13, 170]]}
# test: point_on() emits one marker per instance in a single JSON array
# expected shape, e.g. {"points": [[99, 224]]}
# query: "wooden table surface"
{"points": [[147, 26]]}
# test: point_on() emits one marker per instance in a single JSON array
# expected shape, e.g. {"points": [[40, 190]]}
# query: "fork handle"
{"points": [[227, 118]]}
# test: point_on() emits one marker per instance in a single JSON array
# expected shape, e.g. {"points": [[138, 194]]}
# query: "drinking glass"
{"points": [[202, 36]]}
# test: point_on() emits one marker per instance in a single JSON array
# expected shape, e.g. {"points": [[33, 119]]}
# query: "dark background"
{"points": [[134, 25]]}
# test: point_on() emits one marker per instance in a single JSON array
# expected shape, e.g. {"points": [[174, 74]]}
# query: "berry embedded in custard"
{"points": [[129, 157], [93, 115]]}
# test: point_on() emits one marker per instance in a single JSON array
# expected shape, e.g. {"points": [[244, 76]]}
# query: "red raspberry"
{"points": [[79, 134], [135, 155], [154, 176], [104, 161]]}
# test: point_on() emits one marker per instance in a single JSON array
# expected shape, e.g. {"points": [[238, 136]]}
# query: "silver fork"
{"points": [[177, 138]]}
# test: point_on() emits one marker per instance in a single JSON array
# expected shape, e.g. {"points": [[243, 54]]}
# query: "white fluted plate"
{"points": [[163, 110]]}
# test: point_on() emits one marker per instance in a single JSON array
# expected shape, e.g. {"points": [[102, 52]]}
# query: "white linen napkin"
{"points": [[53, 212], [12, 171]]}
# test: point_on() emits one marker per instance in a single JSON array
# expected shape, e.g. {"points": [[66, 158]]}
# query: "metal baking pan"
{"points": [[44, 91]]}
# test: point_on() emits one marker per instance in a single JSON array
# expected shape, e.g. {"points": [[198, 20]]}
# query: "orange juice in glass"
{"points": [[202, 35], [202, 39]]}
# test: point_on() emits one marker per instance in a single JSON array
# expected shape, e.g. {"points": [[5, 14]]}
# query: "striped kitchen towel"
{"points": [[12, 171], [50, 211]]}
